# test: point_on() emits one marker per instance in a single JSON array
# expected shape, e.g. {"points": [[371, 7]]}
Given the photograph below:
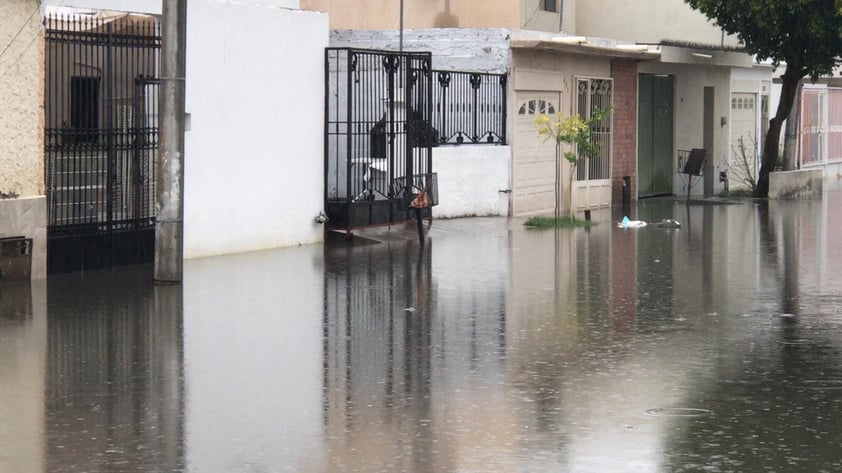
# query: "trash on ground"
{"points": [[626, 223]]}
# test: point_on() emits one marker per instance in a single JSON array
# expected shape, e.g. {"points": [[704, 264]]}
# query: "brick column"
{"points": [[624, 124]]}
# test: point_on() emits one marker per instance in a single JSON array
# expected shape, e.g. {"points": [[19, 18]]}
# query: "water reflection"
{"points": [[114, 398], [23, 336], [410, 336], [496, 348], [607, 337]]}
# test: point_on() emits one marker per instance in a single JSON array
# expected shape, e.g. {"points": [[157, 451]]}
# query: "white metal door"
{"points": [[533, 168], [743, 164]]}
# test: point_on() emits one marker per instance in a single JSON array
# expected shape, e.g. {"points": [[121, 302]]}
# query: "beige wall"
{"points": [[385, 14], [23, 209], [537, 70], [533, 17], [646, 21], [21, 99]]}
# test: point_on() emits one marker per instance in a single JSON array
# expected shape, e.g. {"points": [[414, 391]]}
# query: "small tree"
{"points": [[744, 165], [574, 131], [804, 34]]}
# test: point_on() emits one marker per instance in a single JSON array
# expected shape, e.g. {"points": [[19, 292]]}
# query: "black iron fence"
{"points": [[100, 138], [469, 107], [384, 111], [378, 134]]}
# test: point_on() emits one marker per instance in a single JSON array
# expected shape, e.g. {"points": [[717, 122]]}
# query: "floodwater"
{"points": [[713, 347]]}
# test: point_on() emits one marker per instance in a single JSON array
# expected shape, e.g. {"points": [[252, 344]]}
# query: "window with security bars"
{"points": [[549, 5], [593, 95]]}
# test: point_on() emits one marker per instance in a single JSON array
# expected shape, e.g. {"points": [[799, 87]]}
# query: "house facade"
{"points": [[715, 96], [545, 76], [681, 83]]}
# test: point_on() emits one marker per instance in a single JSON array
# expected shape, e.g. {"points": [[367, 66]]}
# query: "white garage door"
{"points": [[743, 159], [533, 170]]}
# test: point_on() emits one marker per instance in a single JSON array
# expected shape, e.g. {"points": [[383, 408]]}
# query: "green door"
{"points": [[655, 135]]}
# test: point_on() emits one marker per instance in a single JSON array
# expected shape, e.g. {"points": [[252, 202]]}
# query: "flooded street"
{"points": [[496, 348]]}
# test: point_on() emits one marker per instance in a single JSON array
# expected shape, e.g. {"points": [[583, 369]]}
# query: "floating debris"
{"points": [[626, 223], [668, 223]]}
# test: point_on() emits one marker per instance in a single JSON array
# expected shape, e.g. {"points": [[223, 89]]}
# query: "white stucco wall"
{"points": [[254, 165], [454, 49], [470, 178]]}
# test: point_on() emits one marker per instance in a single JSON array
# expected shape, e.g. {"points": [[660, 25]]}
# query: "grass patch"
{"points": [[737, 193], [541, 221]]}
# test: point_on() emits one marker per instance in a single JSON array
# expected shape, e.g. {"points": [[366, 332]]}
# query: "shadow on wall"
{"points": [[446, 19]]}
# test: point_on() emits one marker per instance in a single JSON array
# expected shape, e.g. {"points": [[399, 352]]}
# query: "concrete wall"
{"points": [[470, 178], [646, 21], [796, 184], [254, 168], [385, 14], [456, 49], [22, 205]]}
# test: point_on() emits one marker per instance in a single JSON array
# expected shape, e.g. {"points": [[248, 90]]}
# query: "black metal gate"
{"points": [[378, 135], [101, 135]]}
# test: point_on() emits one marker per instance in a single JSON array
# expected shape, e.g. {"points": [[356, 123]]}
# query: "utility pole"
{"points": [[400, 42], [169, 223]]}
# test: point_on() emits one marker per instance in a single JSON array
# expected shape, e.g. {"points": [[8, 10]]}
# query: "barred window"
{"points": [[549, 5]]}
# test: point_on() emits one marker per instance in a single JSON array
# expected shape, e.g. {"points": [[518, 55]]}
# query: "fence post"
{"points": [[504, 112], [476, 80]]}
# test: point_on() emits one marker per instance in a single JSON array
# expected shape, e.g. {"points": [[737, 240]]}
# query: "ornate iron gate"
{"points": [[100, 139], [378, 136]]}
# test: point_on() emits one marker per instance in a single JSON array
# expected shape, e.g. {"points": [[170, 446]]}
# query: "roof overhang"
{"points": [[705, 56], [583, 45]]}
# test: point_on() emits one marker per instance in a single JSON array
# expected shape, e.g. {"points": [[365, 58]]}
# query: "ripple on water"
{"points": [[678, 412], [831, 384]]}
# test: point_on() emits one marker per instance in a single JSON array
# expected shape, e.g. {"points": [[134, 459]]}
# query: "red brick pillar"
{"points": [[624, 124]]}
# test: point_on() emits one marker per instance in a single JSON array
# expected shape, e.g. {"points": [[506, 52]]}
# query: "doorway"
{"points": [[655, 135]]}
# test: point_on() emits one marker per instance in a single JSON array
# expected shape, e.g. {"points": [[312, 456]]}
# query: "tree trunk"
{"points": [[789, 85], [791, 135]]}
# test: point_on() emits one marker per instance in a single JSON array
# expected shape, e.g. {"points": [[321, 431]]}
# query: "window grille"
{"points": [[593, 95]]}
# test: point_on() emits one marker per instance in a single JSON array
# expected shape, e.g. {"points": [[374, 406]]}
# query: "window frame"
{"points": [[549, 5]]}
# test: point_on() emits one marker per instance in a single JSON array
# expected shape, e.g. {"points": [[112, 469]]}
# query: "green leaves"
{"points": [[573, 130], [805, 34]]}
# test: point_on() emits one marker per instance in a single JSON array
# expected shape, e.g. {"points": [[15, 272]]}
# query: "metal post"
{"points": [[169, 224], [111, 154], [400, 43]]}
